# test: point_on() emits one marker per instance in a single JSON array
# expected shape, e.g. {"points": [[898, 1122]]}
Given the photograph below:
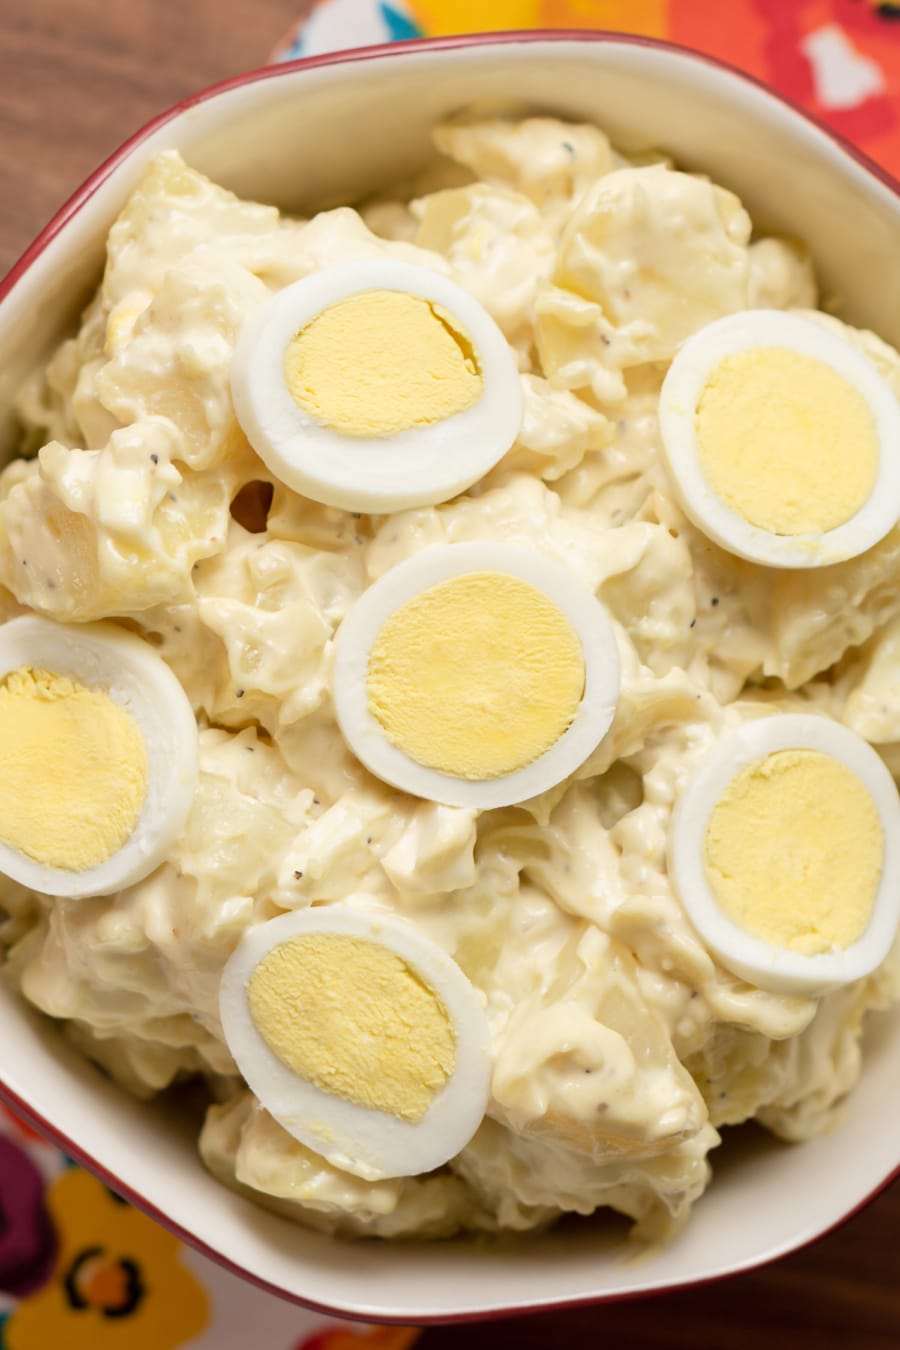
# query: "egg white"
{"points": [[762, 963], [360, 630], [102, 656], [681, 392], [362, 1140], [377, 474]]}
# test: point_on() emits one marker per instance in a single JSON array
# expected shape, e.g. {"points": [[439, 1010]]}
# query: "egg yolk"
{"points": [[794, 851], [786, 442], [381, 362], [477, 676], [73, 770], [353, 1018]]}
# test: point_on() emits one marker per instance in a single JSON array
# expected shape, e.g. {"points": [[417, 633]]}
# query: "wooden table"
{"points": [[76, 77]]}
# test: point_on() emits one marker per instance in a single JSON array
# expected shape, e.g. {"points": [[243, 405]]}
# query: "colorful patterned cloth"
{"points": [[82, 1270], [839, 59]]}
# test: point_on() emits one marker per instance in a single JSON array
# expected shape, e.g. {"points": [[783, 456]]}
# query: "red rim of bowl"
{"points": [[56, 224]]}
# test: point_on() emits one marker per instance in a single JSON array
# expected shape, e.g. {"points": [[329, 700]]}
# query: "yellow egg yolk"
{"points": [[353, 1018], [382, 362], [786, 442], [73, 770], [794, 851], [477, 676]]}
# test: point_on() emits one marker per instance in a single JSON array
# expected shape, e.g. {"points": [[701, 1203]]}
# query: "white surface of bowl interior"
{"points": [[329, 133]]}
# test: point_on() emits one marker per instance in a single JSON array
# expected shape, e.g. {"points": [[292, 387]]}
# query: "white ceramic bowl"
{"points": [[327, 131]]}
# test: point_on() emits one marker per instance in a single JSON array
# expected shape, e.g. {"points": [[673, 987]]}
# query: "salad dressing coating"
{"points": [[620, 1046]]}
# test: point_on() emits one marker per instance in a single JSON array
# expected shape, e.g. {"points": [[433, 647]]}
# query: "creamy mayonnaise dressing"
{"points": [[620, 1045]]}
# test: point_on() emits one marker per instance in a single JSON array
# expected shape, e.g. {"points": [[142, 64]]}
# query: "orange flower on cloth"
{"points": [[378, 1338], [118, 1279]]}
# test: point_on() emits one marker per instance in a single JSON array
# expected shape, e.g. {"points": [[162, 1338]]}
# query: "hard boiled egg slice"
{"points": [[475, 675], [362, 1037], [785, 852], [98, 757], [782, 439], [375, 386]]}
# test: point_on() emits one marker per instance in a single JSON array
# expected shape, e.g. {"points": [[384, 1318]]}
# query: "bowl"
{"points": [[291, 135]]}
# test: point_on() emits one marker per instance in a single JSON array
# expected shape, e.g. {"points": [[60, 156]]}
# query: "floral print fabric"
{"points": [[80, 1269], [838, 59]]}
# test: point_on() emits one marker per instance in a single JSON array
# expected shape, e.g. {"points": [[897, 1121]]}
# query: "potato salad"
{"points": [[450, 685]]}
